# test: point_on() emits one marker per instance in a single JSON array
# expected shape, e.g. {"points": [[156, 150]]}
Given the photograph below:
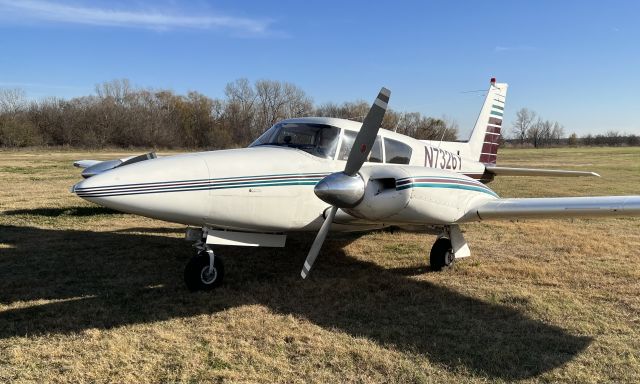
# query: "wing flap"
{"points": [[509, 171], [556, 207]]}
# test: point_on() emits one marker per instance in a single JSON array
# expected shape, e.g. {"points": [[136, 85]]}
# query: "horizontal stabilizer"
{"points": [[508, 171], [556, 207]]}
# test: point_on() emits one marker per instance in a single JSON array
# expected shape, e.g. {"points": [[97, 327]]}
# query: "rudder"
{"points": [[484, 140]]}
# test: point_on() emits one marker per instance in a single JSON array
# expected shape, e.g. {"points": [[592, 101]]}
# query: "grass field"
{"points": [[92, 295]]}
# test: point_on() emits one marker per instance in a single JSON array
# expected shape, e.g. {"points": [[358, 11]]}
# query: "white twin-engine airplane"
{"points": [[317, 174]]}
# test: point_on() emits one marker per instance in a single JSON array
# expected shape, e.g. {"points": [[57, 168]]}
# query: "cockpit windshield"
{"points": [[317, 139]]}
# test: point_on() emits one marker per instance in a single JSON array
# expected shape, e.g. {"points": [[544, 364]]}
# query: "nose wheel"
{"points": [[442, 255], [204, 272]]}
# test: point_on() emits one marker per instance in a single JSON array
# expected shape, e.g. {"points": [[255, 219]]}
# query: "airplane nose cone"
{"points": [[174, 188], [94, 186]]}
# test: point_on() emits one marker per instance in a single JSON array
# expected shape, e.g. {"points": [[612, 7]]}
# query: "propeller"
{"points": [[346, 189]]}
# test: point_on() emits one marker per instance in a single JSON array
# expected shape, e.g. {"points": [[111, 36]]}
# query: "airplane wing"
{"points": [[555, 207], [509, 171]]}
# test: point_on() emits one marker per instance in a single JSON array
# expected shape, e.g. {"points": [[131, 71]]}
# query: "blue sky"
{"points": [[577, 62]]}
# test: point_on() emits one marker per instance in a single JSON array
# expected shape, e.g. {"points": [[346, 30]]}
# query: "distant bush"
{"points": [[118, 115], [530, 130]]}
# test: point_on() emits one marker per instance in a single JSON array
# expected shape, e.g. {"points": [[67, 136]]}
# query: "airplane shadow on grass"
{"points": [[107, 279]]}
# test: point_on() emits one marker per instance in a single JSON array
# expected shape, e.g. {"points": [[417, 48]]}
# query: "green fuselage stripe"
{"points": [[449, 186]]}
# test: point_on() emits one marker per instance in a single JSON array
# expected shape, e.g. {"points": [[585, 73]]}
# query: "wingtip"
{"points": [[595, 174], [385, 91]]}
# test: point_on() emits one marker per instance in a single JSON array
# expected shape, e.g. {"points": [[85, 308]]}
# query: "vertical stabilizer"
{"points": [[483, 143]]}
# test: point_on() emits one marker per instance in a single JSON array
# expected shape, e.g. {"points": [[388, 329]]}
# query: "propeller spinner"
{"points": [[346, 189]]}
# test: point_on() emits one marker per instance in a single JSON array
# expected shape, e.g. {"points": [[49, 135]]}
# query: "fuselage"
{"points": [[270, 188]]}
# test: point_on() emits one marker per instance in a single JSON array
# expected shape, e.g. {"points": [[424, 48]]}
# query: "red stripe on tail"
{"points": [[491, 143]]}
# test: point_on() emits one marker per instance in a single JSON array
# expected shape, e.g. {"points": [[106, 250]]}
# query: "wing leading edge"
{"points": [[555, 207], [509, 171]]}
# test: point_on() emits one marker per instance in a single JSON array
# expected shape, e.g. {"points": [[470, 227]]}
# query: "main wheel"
{"points": [[197, 275], [441, 254]]}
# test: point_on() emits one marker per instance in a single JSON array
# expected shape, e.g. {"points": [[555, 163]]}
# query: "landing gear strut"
{"points": [[205, 271], [442, 255], [450, 246]]}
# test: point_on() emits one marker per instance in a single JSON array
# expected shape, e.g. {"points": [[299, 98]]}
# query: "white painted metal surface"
{"points": [[458, 242], [556, 207], [510, 171]]}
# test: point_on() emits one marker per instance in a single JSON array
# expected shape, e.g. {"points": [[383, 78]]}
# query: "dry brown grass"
{"points": [[92, 295]]}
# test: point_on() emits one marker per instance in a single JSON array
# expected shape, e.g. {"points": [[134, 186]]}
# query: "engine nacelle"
{"points": [[381, 197], [416, 195]]}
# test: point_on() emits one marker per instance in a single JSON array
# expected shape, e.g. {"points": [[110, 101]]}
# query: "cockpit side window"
{"points": [[348, 139], [376, 152], [317, 139], [397, 152]]}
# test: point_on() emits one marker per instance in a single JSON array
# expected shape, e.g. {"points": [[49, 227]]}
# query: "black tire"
{"points": [[196, 276], [441, 255]]}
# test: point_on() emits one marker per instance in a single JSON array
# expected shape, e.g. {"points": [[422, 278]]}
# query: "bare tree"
{"points": [[612, 138], [12, 100], [277, 101], [525, 119], [240, 112], [117, 90], [121, 115], [351, 110], [536, 133], [557, 132]]}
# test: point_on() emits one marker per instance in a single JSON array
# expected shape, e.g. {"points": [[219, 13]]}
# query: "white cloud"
{"points": [[58, 12]]}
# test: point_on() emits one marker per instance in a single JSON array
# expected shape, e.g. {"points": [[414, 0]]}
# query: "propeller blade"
{"points": [[317, 243], [357, 156], [368, 132]]}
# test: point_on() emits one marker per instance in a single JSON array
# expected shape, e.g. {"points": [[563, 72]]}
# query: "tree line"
{"points": [[120, 115], [529, 129]]}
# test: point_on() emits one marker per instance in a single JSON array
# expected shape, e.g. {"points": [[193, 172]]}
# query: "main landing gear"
{"points": [[205, 271], [441, 255], [450, 246]]}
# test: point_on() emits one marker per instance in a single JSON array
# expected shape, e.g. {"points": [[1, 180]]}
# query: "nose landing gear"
{"points": [[205, 271]]}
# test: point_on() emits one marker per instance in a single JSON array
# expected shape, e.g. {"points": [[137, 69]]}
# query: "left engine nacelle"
{"points": [[418, 195], [381, 197]]}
